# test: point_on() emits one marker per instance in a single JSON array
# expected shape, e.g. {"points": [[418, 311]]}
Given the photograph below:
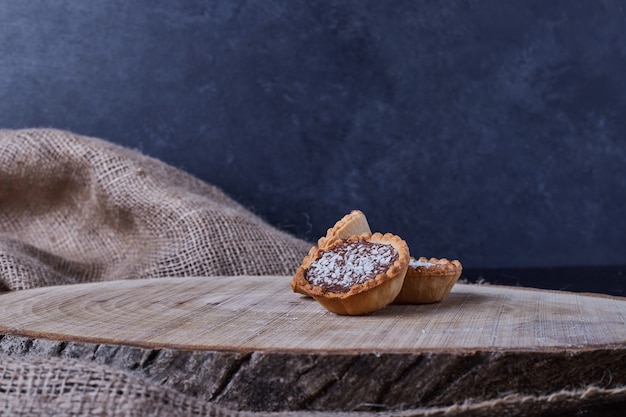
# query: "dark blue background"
{"points": [[489, 131]]}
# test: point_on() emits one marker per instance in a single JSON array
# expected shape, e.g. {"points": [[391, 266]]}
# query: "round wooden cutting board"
{"points": [[250, 342]]}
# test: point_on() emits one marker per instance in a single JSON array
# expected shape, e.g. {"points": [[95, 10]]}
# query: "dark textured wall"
{"points": [[490, 131]]}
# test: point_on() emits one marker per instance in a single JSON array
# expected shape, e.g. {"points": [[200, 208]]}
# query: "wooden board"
{"points": [[261, 313], [260, 329]]}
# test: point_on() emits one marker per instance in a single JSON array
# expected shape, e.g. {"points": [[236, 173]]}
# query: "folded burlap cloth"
{"points": [[75, 209]]}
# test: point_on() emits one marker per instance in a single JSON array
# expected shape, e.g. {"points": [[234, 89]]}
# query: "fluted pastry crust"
{"points": [[352, 224], [428, 280], [360, 298]]}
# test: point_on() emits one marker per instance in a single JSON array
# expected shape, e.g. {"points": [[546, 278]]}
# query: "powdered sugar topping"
{"points": [[414, 263], [353, 262]]}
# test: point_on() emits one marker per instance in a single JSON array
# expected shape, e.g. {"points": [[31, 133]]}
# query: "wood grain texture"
{"points": [[250, 343], [261, 313]]}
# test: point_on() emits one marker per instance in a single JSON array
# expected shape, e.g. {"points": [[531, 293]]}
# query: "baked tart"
{"points": [[356, 275], [352, 224], [428, 280]]}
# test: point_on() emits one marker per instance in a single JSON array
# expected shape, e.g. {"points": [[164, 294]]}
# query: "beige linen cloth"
{"points": [[75, 209]]}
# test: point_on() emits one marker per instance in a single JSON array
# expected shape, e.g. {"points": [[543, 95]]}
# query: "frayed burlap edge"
{"points": [[510, 405]]}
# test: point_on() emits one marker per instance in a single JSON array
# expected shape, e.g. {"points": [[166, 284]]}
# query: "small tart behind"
{"points": [[359, 298], [428, 280], [352, 224]]}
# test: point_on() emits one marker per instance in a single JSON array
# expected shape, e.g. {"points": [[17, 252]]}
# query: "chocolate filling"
{"points": [[352, 262]]}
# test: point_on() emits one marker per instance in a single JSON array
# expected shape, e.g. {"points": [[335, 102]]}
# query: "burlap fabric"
{"points": [[39, 386], [75, 209]]}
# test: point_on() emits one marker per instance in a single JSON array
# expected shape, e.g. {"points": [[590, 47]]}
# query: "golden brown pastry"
{"points": [[352, 224], [354, 276], [428, 280]]}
